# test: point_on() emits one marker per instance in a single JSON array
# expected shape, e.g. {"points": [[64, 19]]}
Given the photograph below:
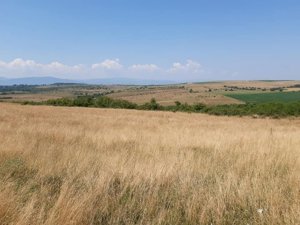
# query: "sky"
{"points": [[179, 40]]}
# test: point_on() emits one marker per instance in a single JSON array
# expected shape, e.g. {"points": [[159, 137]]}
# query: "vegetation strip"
{"points": [[271, 109]]}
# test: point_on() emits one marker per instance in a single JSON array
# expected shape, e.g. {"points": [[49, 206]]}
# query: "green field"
{"points": [[267, 97]]}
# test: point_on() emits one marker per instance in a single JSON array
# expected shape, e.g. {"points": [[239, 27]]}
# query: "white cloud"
{"points": [[144, 67], [20, 63], [189, 67], [108, 68], [21, 67], [109, 64], [56, 65]]}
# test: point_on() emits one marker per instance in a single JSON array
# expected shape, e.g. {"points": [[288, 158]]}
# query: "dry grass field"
{"points": [[61, 166], [167, 96]]}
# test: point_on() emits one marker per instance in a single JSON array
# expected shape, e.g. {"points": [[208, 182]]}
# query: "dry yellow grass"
{"points": [[97, 166], [168, 96]]}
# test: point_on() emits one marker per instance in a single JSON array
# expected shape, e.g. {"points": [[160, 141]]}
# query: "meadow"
{"points": [[70, 165]]}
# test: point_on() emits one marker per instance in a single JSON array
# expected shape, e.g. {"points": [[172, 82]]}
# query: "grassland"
{"points": [[267, 97], [208, 93], [61, 165]]}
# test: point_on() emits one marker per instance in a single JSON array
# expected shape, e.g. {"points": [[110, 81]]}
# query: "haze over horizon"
{"points": [[151, 40]]}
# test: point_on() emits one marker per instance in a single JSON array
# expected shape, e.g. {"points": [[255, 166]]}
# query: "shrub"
{"points": [[152, 105], [271, 109], [177, 103]]}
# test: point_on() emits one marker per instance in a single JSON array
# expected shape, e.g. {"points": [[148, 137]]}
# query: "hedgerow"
{"points": [[272, 109]]}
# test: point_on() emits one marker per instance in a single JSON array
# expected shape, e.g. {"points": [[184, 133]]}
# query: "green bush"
{"points": [[152, 105], [60, 102], [271, 109]]}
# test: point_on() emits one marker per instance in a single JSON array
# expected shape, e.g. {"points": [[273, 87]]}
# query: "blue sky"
{"points": [[169, 40]]}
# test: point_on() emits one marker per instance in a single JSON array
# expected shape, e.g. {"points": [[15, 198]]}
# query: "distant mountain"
{"points": [[105, 81], [126, 81], [33, 80]]}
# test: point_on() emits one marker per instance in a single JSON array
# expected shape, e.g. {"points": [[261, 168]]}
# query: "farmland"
{"points": [[62, 165], [208, 93], [267, 97]]}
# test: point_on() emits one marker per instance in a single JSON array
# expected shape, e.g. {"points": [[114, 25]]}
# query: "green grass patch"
{"points": [[276, 97]]}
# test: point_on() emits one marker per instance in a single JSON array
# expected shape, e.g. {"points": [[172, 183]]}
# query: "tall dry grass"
{"points": [[95, 166]]}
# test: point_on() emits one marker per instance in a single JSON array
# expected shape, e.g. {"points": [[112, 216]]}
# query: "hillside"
{"points": [[209, 93]]}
